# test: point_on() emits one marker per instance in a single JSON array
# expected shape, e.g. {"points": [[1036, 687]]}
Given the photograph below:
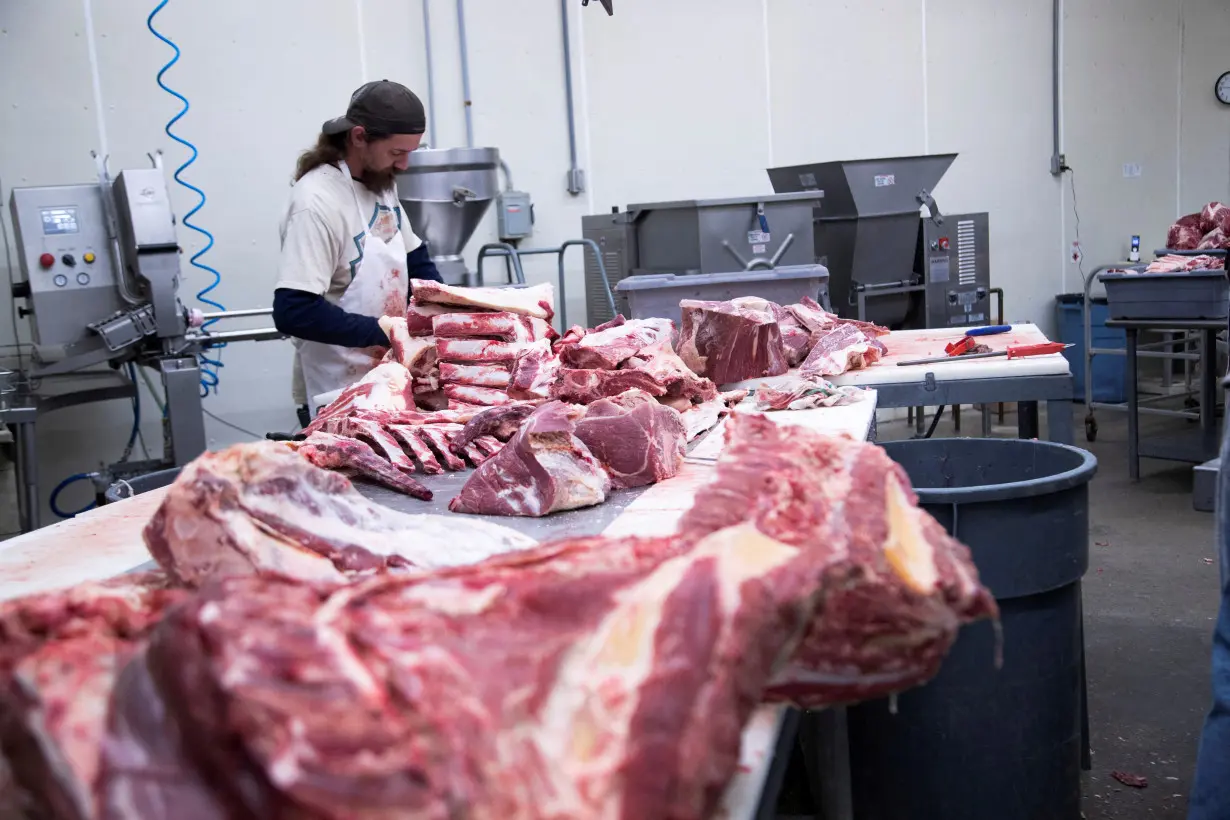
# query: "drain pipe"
{"points": [[576, 177], [465, 71], [431, 84], [1058, 160]]}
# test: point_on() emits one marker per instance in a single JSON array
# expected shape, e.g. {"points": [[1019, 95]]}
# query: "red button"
{"points": [[944, 243], [46, 260]]}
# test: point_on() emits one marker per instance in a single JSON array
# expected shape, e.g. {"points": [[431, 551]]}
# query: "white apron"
{"points": [[379, 288]]}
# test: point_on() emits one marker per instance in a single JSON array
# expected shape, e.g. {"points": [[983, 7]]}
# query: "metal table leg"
{"points": [[1027, 419], [1059, 421], [832, 769], [1133, 406], [1208, 393], [27, 475]]}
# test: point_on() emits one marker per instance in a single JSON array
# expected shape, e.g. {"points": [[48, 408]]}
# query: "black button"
{"points": [[68, 259]]}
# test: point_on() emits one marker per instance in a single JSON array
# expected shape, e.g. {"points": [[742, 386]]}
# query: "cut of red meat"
{"points": [[544, 469], [797, 342], [415, 353], [606, 349], [488, 445], [474, 456], [1213, 216], [408, 437], [573, 335], [1213, 240], [419, 317], [842, 348], [587, 386], [728, 343], [354, 458], [1186, 233], [703, 417], [382, 442], [439, 440], [478, 375], [683, 387], [482, 396], [895, 588], [502, 423], [534, 371], [259, 508], [386, 387], [793, 392], [508, 327], [637, 440], [537, 301], [476, 351]]}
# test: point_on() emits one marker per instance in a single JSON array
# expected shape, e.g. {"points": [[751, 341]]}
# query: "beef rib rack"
{"points": [[256, 508], [534, 301]]}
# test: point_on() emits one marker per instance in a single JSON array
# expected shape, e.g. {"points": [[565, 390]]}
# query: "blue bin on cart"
{"points": [[1109, 371]]}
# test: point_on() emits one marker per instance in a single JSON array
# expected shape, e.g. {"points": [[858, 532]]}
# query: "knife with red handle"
{"points": [[1018, 352]]}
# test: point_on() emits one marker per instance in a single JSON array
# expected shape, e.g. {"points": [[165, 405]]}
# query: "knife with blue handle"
{"points": [[993, 330]]}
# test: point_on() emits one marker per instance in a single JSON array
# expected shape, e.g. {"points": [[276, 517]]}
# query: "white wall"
{"points": [[684, 98]]}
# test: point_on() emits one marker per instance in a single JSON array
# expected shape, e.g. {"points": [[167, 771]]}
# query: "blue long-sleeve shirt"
{"points": [[313, 318]]}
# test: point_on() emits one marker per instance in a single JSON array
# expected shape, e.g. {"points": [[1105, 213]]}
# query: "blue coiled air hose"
{"points": [[209, 366]]}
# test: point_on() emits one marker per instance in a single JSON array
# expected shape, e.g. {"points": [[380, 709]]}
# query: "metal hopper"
{"points": [[867, 225], [445, 194]]}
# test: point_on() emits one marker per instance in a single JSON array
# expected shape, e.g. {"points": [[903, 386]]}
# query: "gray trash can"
{"points": [[977, 742], [136, 485]]}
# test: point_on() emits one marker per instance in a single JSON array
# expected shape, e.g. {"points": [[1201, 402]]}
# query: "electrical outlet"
{"points": [[1077, 253]]}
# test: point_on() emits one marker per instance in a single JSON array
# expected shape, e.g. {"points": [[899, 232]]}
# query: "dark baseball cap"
{"points": [[382, 106]]}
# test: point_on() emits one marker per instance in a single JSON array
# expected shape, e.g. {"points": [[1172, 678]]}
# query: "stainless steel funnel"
{"points": [[445, 194]]}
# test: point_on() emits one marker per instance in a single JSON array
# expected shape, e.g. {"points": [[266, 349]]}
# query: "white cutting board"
{"points": [[907, 345]]}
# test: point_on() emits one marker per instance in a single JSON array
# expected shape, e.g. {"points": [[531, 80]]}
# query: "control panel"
{"points": [[65, 260], [956, 268]]}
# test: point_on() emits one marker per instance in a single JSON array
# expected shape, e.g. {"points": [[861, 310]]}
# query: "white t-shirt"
{"points": [[322, 235], [322, 231]]}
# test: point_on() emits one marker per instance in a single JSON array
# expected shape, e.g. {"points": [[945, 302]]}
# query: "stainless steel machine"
{"points": [[101, 274], [860, 219]]}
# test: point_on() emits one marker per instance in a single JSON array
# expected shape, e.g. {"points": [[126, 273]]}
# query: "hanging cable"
{"points": [[209, 366], [55, 495]]}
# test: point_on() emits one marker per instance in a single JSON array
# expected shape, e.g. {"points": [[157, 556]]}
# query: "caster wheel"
{"points": [[1091, 429]]}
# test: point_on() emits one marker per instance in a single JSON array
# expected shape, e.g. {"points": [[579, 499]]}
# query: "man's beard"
{"points": [[379, 182]]}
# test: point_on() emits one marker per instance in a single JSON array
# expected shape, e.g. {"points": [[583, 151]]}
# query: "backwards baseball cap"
{"points": [[382, 106]]}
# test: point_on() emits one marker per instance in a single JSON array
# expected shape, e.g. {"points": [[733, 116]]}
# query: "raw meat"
{"points": [[440, 442], [703, 417], [502, 423], [1173, 263], [797, 341], [835, 351], [537, 301], [477, 351], [683, 387], [606, 349], [478, 375], [408, 436], [60, 654], [1215, 216], [804, 393], [1213, 240], [419, 317], [592, 679], [544, 469], [382, 442], [257, 508], [484, 396], [1186, 233], [894, 588], [508, 327], [573, 335], [415, 353], [587, 386], [637, 440], [355, 458], [728, 343], [386, 387], [812, 316], [534, 371]]}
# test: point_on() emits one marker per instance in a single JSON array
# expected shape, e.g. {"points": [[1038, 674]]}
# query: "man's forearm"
{"points": [[420, 266], [313, 318]]}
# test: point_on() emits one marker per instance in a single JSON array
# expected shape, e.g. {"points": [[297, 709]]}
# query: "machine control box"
{"points": [[65, 258], [955, 263], [515, 215]]}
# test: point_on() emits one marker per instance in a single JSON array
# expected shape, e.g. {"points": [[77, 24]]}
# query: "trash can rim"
{"points": [[1082, 473]]}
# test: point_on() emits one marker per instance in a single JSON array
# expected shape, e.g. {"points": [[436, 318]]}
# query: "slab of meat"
{"points": [[483, 396], [60, 654], [1215, 216], [544, 469], [534, 371], [797, 341], [408, 436], [804, 393], [386, 387], [894, 588], [419, 317], [415, 353], [728, 343], [812, 316], [508, 327], [381, 440], [839, 349], [606, 349], [1173, 263], [588, 386], [537, 301], [478, 375], [256, 508], [440, 442], [1213, 240], [355, 458], [637, 440], [501, 423], [683, 387], [591, 679], [477, 351], [1186, 233]]}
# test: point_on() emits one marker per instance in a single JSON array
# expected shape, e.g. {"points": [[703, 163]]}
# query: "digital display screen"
{"points": [[59, 221]]}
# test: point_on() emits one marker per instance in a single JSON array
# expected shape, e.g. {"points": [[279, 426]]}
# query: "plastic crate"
{"points": [[659, 294], [1109, 371], [1201, 294]]}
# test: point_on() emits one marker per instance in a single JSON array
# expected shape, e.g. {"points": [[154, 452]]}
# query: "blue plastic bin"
{"points": [[1110, 371]]}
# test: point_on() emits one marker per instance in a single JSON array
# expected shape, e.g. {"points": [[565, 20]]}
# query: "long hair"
{"points": [[330, 149]]}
